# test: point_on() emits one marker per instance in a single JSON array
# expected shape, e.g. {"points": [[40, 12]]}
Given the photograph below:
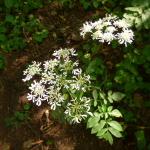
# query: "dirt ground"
{"points": [[32, 134]]}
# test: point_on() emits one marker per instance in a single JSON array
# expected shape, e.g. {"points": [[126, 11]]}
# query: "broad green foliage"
{"points": [[14, 24], [141, 142], [138, 14]]}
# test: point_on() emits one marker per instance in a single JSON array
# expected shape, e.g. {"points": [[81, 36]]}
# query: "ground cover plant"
{"points": [[95, 74]]}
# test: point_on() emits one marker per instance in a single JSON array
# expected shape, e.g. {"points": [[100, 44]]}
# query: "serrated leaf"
{"points": [[115, 132], [116, 113], [98, 126], [102, 132], [115, 125], [92, 121]]}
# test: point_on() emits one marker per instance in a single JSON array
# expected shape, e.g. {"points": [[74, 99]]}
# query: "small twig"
{"points": [[30, 127]]}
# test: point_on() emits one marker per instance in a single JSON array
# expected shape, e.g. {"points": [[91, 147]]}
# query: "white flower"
{"points": [[97, 34], [121, 23], [107, 23], [31, 71], [77, 71], [86, 28], [49, 65], [75, 120], [38, 92], [125, 37], [108, 36], [78, 110], [110, 17], [110, 29]]}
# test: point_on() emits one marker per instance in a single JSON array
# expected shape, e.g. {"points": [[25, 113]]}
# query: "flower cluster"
{"points": [[54, 77], [78, 109], [105, 30]]}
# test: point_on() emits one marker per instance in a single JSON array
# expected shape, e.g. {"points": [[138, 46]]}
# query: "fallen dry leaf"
{"points": [[75, 37], [109, 64], [27, 144]]}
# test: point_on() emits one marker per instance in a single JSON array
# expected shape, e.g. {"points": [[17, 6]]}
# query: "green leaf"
{"points": [[137, 51], [86, 47], [115, 132], [95, 94], [48, 142], [21, 116], [102, 132], [27, 106], [92, 121], [6, 48], [141, 142], [146, 19], [16, 123], [91, 67], [128, 86], [117, 96], [98, 70], [94, 49], [146, 104], [139, 78], [136, 60], [95, 4], [110, 139], [119, 79], [98, 126], [1, 56], [8, 120], [98, 61], [9, 18], [82, 1], [116, 113], [8, 3], [17, 113], [86, 58], [115, 125], [146, 50], [142, 59], [2, 37], [26, 116], [10, 42], [109, 109], [132, 69], [86, 5]]}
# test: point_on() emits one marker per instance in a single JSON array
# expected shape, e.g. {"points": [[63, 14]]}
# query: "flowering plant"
{"points": [[68, 89], [105, 29], [56, 76]]}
